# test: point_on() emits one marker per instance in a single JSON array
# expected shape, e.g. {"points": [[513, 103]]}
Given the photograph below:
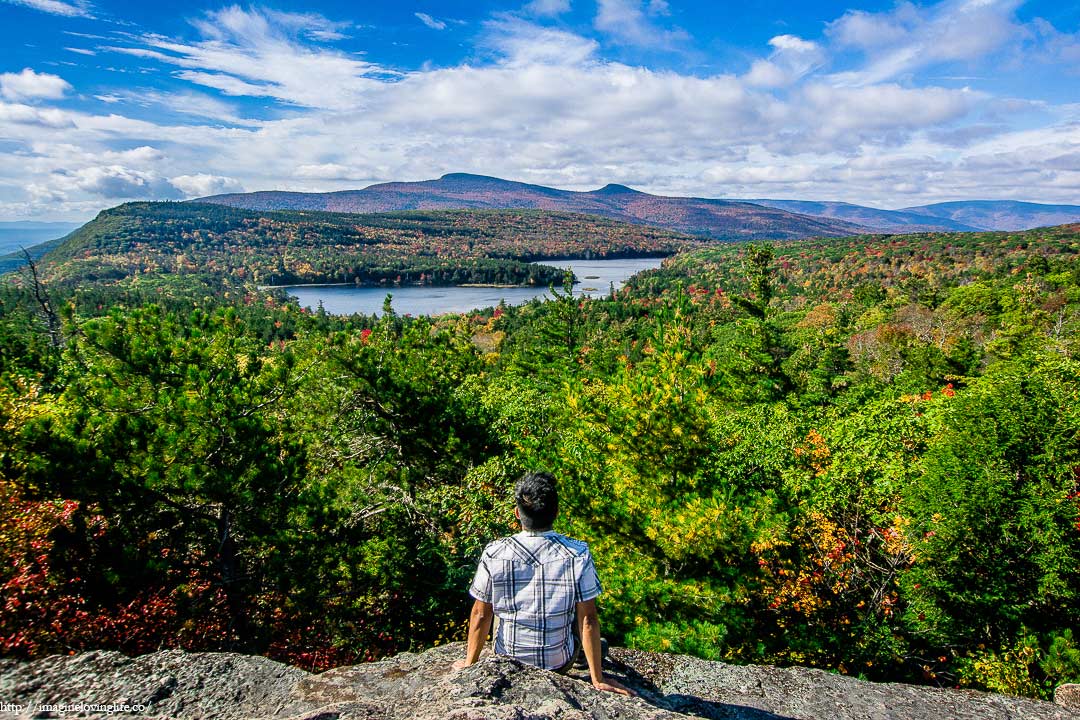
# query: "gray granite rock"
{"points": [[175, 684], [1068, 695]]}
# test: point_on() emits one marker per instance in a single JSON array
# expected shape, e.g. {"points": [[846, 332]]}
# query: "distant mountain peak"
{"points": [[459, 176], [616, 189]]}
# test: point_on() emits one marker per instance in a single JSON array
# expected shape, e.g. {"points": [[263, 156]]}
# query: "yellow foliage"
{"points": [[1007, 672], [816, 452]]}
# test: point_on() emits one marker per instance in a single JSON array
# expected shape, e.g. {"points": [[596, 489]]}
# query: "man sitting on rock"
{"points": [[542, 586]]}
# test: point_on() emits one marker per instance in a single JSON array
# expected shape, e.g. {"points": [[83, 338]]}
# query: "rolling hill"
{"points": [[445, 247]]}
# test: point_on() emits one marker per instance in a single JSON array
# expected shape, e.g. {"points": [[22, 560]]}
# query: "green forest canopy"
{"points": [[860, 454]]}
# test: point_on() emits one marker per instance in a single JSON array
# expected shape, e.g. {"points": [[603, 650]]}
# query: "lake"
{"points": [[595, 276]]}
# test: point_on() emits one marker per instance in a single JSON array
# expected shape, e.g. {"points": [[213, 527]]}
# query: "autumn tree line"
{"points": [[856, 454]]}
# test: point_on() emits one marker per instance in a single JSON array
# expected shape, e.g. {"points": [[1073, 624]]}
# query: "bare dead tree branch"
{"points": [[41, 296]]}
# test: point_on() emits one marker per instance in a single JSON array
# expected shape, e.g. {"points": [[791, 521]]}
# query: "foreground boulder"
{"points": [[176, 684]]}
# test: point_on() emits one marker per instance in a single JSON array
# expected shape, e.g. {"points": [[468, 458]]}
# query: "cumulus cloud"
{"points": [[28, 115], [30, 85], [203, 184], [117, 182], [144, 155], [864, 110]]}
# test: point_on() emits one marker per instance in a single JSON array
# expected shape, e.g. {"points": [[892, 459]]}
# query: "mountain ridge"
{"points": [[726, 219], [1001, 214], [714, 218]]}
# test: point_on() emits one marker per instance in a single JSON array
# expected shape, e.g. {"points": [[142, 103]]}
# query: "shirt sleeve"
{"points": [[588, 583], [481, 584]]}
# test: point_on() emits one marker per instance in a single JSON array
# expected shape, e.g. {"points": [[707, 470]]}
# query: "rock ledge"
{"points": [[224, 686]]}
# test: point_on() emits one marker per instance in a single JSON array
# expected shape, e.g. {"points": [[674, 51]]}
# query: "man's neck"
{"points": [[535, 532]]}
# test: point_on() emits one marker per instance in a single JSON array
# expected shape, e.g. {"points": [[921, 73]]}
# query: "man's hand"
{"points": [[613, 685], [589, 632]]}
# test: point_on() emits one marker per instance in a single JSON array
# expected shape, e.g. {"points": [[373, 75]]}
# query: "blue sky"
{"points": [[885, 104]]}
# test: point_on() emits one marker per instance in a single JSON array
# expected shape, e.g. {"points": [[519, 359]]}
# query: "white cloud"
{"points": [[184, 102], [659, 7], [81, 51], [785, 174], [28, 115], [144, 155], [202, 185], [117, 182], [628, 22], [259, 53], [912, 37], [430, 21], [863, 110], [868, 31], [522, 43], [333, 171], [30, 85], [792, 59], [547, 8], [261, 23], [231, 85], [1058, 48], [56, 7], [310, 25]]}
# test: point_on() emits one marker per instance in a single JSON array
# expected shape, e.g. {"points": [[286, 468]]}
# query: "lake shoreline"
{"points": [[348, 298], [394, 287]]}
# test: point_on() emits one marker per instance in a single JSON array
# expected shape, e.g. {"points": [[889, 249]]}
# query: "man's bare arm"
{"points": [[479, 627], [589, 626]]}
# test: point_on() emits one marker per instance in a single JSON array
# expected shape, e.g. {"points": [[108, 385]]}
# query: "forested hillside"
{"points": [[275, 248], [861, 454]]}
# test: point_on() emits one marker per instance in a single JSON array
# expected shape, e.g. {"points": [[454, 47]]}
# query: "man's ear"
{"points": [[517, 512]]}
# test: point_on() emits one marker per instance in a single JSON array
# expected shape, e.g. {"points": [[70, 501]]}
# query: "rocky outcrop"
{"points": [[176, 684], [1068, 695]]}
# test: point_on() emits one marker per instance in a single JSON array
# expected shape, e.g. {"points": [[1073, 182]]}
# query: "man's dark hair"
{"points": [[537, 500]]}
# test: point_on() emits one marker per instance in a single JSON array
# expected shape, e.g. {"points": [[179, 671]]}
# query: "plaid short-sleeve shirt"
{"points": [[534, 582]]}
